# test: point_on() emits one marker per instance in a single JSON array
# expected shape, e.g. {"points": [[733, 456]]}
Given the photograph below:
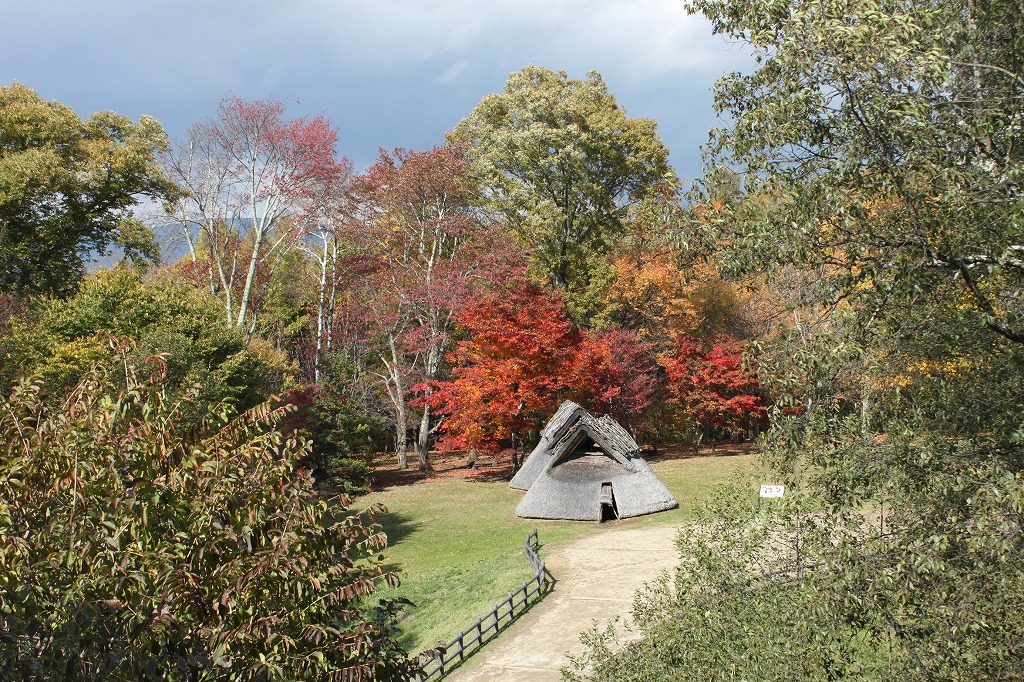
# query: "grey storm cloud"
{"points": [[388, 73]]}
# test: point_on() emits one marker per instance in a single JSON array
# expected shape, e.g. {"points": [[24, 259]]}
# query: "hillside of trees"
{"points": [[442, 299], [844, 283]]}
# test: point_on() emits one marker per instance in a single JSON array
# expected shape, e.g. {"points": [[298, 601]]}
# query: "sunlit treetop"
{"points": [[67, 188]]}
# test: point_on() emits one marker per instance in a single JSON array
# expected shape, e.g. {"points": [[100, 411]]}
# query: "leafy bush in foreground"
{"points": [[133, 550], [750, 599]]}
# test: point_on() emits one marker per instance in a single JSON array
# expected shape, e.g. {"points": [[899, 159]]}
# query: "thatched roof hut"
{"points": [[588, 469]]}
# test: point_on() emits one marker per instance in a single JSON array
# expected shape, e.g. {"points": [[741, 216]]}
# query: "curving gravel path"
{"points": [[597, 577]]}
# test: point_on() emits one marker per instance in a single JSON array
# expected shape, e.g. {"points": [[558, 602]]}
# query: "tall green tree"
{"points": [[67, 187], [562, 163], [882, 140]]}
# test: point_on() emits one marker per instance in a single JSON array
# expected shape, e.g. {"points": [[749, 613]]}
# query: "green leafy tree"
{"points": [[67, 187], [159, 315], [134, 547], [343, 429], [562, 163], [880, 141]]}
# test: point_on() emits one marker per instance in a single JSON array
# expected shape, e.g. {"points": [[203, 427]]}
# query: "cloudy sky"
{"points": [[388, 73]]}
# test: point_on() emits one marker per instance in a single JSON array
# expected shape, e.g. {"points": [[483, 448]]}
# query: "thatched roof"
{"points": [[562, 420], [583, 463]]}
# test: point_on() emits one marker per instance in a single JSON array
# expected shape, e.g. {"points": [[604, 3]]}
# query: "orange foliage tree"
{"points": [[649, 294], [521, 358]]}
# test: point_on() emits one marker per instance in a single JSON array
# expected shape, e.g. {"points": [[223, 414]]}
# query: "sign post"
{"points": [[770, 492]]}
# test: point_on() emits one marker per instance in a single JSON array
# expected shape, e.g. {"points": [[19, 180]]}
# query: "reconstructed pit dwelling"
{"points": [[587, 468]]}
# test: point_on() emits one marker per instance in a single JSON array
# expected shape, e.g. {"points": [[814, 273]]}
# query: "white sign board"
{"points": [[773, 490]]}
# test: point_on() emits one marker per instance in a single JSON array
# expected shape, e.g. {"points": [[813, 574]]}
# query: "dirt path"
{"points": [[597, 577]]}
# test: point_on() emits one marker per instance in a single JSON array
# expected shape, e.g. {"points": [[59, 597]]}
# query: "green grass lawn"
{"points": [[458, 545]]}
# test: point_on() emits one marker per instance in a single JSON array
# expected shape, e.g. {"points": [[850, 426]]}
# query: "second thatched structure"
{"points": [[587, 468]]}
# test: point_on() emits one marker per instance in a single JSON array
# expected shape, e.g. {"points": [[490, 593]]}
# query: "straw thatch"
{"points": [[565, 418], [587, 468]]}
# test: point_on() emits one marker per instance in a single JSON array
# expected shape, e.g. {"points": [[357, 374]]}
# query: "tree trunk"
{"points": [[395, 388], [423, 443], [401, 444], [431, 363], [321, 322], [516, 462], [250, 277]]}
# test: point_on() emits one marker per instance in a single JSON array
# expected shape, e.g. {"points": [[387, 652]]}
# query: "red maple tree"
{"points": [[628, 380], [712, 387], [522, 357], [433, 251]]}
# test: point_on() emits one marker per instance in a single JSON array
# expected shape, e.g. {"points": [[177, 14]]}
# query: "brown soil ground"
{"points": [[499, 467]]}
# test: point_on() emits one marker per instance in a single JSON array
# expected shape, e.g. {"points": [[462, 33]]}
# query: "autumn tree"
{"points": [[522, 357], [562, 163], [712, 386], [67, 189], [627, 381], [433, 250], [661, 284], [649, 295], [133, 546], [327, 241], [247, 172]]}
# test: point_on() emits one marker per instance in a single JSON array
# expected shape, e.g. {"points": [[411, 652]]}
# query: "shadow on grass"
{"points": [[489, 475], [488, 469], [398, 526], [681, 451]]}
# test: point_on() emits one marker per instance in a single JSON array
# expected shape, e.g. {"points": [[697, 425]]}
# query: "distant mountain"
{"points": [[168, 236]]}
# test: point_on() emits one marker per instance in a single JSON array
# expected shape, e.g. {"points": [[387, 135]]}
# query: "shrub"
{"points": [[131, 548], [160, 316], [343, 438]]}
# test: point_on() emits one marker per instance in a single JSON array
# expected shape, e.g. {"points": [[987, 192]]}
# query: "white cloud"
{"points": [[641, 38]]}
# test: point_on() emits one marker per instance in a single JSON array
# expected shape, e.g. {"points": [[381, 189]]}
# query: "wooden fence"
{"points": [[437, 662]]}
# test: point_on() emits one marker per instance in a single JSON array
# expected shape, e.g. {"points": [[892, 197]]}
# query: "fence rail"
{"points": [[437, 662]]}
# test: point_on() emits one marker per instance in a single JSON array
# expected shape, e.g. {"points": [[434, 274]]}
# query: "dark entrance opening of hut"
{"points": [[608, 510]]}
